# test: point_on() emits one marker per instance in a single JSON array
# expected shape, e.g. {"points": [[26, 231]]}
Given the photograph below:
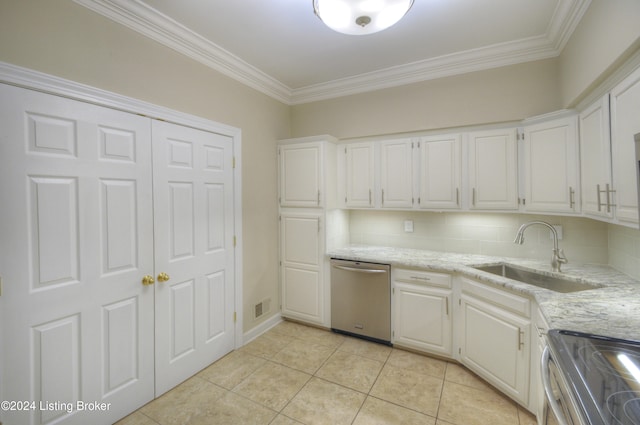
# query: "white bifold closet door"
{"points": [[79, 200], [193, 209]]}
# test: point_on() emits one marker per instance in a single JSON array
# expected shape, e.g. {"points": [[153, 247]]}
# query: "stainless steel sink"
{"points": [[537, 279]]}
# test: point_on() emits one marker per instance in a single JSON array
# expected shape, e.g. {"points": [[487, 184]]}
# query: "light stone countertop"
{"points": [[612, 308]]}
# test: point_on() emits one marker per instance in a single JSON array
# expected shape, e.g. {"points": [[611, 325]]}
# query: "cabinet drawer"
{"points": [[422, 277], [496, 296]]}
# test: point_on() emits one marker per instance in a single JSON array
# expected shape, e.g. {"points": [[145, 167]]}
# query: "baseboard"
{"points": [[261, 328]]}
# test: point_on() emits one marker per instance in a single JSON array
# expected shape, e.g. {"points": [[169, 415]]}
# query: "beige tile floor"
{"points": [[294, 374]]}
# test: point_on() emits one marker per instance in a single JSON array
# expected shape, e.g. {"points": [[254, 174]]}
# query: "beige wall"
{"points": [[607, 34], [497, 95], [69, 41]]}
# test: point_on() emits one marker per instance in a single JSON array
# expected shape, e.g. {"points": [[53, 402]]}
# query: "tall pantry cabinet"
{"points": [[307, 190]]}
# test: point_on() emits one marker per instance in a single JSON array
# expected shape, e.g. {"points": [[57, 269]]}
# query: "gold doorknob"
{"points": [[148, 280], [163, 277]]}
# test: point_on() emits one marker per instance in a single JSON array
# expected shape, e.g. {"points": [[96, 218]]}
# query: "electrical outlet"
{"points": [[408, 226]]}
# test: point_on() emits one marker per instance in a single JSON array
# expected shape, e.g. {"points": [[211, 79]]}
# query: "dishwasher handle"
{"points": [[356, 269]]}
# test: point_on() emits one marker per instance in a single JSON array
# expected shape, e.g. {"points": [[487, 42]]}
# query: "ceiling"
{"points": [[282, 49]]}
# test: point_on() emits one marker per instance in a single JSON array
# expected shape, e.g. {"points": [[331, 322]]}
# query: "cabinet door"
{"points": [[359, 175], [625, 124], [396, 174], [551, 166], [495, 345], [422, 318], [595, 158], [440, 165], [301, 268], [300, 175], [493, 164]]}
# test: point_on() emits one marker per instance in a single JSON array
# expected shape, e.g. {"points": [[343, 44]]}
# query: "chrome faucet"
{"points": [[558, 257]]}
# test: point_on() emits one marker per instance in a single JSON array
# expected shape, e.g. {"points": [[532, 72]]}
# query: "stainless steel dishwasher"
{"points": [[361, 299]]}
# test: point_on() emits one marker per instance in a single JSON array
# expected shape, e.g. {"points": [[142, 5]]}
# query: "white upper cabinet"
{"points": [[550, 154], [359, 175], [493, 165], [625, 123], [440, 172], [396, 173], [301, 175], [595, 160]]}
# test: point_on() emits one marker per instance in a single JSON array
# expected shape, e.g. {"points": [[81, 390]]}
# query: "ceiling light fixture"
{"points": [[360, 17]]}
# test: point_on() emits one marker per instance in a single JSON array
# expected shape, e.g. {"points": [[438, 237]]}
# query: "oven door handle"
{"points": [[548, 390]]}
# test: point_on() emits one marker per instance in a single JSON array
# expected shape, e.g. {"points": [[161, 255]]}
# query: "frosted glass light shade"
{"points": [[360, 17]]}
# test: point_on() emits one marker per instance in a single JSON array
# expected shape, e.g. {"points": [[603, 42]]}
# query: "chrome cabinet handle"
{"points": [[572, 201], [520, 339], [420, 278], [608, 191], [473, 197]]}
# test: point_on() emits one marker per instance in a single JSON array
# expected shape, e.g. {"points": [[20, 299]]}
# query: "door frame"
{"points": [[34, 80]]}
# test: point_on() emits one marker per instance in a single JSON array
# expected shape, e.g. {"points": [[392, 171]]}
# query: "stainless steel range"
{"points": [[592, 379]]}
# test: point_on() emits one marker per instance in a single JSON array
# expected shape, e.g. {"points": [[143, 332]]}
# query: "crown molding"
{"points": [[147, 21], [444, 66]]}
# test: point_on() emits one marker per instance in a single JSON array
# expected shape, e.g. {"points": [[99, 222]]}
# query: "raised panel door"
{"points": [[75, 240], [625, 124], [495, 344], [493, 165], [595, 159], [551, 166], [440, 172], [193, 218], [359, 175], [301, 175], [396, 174], [422, 318], [301, 267]]}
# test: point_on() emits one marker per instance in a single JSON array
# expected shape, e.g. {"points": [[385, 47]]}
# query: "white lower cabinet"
{"points": [[422, 310], [494, 337], [301, 248]]}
